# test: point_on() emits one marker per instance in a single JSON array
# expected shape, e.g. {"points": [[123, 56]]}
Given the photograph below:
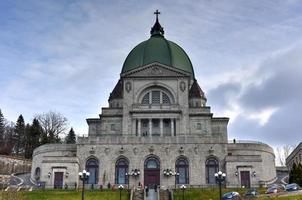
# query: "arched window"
{"points": [[211, 169], [156, 96], [152, 163], [92, 166], [37, 173], [121, 167], [182, 167]]}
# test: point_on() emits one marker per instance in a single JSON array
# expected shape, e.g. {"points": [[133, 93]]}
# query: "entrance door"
{"points": [[245, 179], [152, 172], [58, 181]]}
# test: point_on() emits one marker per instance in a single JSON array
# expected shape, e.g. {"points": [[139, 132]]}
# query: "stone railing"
{"points": [[150, 140], [148, 107], [245, 142]]}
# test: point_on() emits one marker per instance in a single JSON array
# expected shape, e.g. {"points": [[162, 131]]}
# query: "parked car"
{"points": [[292, 187], [272, 190], [275, 185], [231, 195], [251, 193]]}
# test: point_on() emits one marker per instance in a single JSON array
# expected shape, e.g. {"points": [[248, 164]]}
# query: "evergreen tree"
{"points": [[19, 135], [33, 138], [292, 174], [299, 174], [2, 128], [28, 142], [71, 137], [9, 142]]}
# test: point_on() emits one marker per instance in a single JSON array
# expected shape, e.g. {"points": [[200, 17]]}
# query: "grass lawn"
{"points": [[64, 195], [213, 194]]}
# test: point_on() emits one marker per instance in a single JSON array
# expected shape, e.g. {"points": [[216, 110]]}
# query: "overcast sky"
{"points": [[66, 56]]}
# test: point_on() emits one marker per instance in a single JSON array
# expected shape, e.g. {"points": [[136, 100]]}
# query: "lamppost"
{"points": [[176, 174], [183, 187], [134, 172], [220, 178], [169, 173], [120, 187], [84, 175]]}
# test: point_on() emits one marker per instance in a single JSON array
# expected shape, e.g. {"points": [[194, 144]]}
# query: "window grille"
{"points": [[146, 99], [155, 97]]}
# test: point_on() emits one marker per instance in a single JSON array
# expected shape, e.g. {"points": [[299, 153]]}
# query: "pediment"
{"points": [[155, 70]]}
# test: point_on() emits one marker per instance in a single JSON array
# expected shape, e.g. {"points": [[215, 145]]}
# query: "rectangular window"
{"points": [[198, 126], [155, 123], [112, 127], [166, 123], [145, 123], [156, 97]]}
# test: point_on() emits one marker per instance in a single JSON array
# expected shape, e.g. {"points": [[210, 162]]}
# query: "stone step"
{"points": [[164, 195], [138, 195]]}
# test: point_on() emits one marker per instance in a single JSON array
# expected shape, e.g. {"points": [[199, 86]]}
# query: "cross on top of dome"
{"points": [[157, 29], [157, 13]]}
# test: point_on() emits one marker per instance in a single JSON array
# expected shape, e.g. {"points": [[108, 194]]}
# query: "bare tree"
{"points": [[53, 125], [283, 152]]}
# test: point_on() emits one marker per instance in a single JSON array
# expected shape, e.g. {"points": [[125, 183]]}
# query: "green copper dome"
{"points": [[158, 49]]}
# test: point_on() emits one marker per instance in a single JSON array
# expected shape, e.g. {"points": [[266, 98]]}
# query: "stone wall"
{"points": [[166, 150], [51, 158], [256, 158], [11, 164]]}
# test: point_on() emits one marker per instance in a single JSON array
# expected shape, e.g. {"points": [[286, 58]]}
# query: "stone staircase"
{"points": [[138, 195], [164, 195]]}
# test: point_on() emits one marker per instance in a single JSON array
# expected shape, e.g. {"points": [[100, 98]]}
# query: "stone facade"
{"points": [[157, 121], [294, 157]]}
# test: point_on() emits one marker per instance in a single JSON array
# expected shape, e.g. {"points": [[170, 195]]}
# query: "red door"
{"points": [[152, 172], [245, 179], [58, 181], [152, 177]]}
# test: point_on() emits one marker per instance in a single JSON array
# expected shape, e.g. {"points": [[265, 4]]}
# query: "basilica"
{"points": [[157, 130]]}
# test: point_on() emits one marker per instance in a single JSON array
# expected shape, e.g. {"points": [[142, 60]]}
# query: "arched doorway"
{"points": [[152, 172]]}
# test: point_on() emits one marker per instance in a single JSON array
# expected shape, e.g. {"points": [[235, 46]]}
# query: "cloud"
{"points": [[268, 109]]}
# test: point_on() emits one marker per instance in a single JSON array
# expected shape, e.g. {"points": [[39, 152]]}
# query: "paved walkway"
{"points": [[152, 195], [26, 178]]}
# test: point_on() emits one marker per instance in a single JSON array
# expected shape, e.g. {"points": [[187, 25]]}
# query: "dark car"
{"points": [[251, 193], [272, 190], [292, 187], [281, 186], [231, 195]]}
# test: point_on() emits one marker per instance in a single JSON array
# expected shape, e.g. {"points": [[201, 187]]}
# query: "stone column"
{"points": [[150, 127], [161, 127], [172, 127], [139, 132]]}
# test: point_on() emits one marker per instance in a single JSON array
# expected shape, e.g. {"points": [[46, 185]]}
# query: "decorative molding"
{"points": [[156, 70], [128, 86], [167, 150], [182, 86], [211, 150], [122, 150], [196, 150], [151, 149], [135, 150], [181, 150], [107, 151]]}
